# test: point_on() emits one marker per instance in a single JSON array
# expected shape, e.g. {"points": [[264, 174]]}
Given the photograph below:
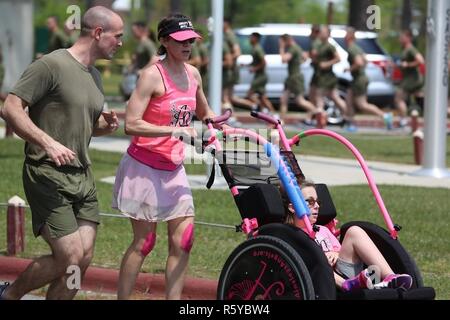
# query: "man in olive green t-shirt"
{"points": [[2, 75], [327, 82], [145, 51], [57, 38], [256, 95], [292, 54], [63, 92], [412, 81], [314, 46], [357, 92]]}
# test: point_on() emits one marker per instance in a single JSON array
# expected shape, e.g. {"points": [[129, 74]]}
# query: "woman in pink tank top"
{"points": [[151, 183]]}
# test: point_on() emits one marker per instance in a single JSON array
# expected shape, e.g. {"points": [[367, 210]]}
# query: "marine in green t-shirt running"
{"points": [[63, 93], [412, 81], [327, 82], [292, 54], [357, 92], [256, 95]]}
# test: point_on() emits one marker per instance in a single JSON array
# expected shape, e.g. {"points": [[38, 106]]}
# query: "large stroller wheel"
{"points": [[265, 268], [317, 264]]}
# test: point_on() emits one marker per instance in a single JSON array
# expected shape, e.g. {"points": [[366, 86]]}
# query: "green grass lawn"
{"points": [[111, 84], [398, 149], [423, 213]]}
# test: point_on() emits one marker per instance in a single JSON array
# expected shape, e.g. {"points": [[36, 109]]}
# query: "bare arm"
{"points": [[259, 66], [236, 51], [149, 84], [358, 63], [328, 64], [18, 119], [227, 60], [418, 60], [285, 56], [106, 124]]}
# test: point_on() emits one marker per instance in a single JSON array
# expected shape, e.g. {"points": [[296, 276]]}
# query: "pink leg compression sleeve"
{"points": [[149, 243], [188, 238]]}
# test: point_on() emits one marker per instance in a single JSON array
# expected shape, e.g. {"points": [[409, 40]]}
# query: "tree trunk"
{"points": [[357, 16], [406, 15], [175, 6]]}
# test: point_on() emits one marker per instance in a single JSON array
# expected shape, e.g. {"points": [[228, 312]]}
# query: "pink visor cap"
{"points": [[179, 30]]}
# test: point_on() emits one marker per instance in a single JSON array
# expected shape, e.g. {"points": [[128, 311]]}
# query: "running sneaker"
{"points": [[360, 281], [403, 122], [309, 122], [395, 281], [388, 120], [233, 122], [3, 288], [350, 127]]}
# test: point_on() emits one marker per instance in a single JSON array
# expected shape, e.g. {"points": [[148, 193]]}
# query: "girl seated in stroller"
{"points": [[348, 259]]}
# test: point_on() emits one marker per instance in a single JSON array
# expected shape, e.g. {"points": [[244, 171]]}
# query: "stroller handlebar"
{"points": [[219, 119], [264, 117]]}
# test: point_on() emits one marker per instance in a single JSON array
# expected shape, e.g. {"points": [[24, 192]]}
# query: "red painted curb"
{"points": [[105, 280]]}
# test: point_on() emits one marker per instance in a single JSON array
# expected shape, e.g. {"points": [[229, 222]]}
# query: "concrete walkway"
{"points": [[331, 171], [320, 169]]}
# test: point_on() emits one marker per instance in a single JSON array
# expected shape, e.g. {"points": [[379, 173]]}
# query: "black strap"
{"points": [[212, 175]]}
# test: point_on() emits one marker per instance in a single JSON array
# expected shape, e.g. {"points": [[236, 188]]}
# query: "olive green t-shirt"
{"points": [[325, 53], [2, 75], [353, 51], [231, 39], [57, 41], [296, 59], [144, 52], [203, 51], [410, 73], [65, 100], [316, 43], [195, 53], [258, 56]]}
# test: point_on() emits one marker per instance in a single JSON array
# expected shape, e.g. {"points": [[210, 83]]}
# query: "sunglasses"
{"points": [[191, 41], [311, 201]]}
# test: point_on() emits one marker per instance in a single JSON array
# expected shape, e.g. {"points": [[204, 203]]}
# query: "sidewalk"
{"points": [[332, 171]]}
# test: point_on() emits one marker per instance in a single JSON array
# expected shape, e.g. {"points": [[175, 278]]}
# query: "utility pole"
{"points": [[435, 130]]}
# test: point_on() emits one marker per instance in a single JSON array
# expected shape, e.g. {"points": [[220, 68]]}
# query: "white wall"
{"points": [[16, 38]]}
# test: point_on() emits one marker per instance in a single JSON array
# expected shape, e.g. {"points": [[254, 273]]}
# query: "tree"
{"points": [[406, 15], [357, 16], [175, 5]]}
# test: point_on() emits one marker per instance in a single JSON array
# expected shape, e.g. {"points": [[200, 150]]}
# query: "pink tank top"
{"points": [[174, 108]]}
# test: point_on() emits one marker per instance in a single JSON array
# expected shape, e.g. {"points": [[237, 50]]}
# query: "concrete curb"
{"points": [[105, 280]]}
